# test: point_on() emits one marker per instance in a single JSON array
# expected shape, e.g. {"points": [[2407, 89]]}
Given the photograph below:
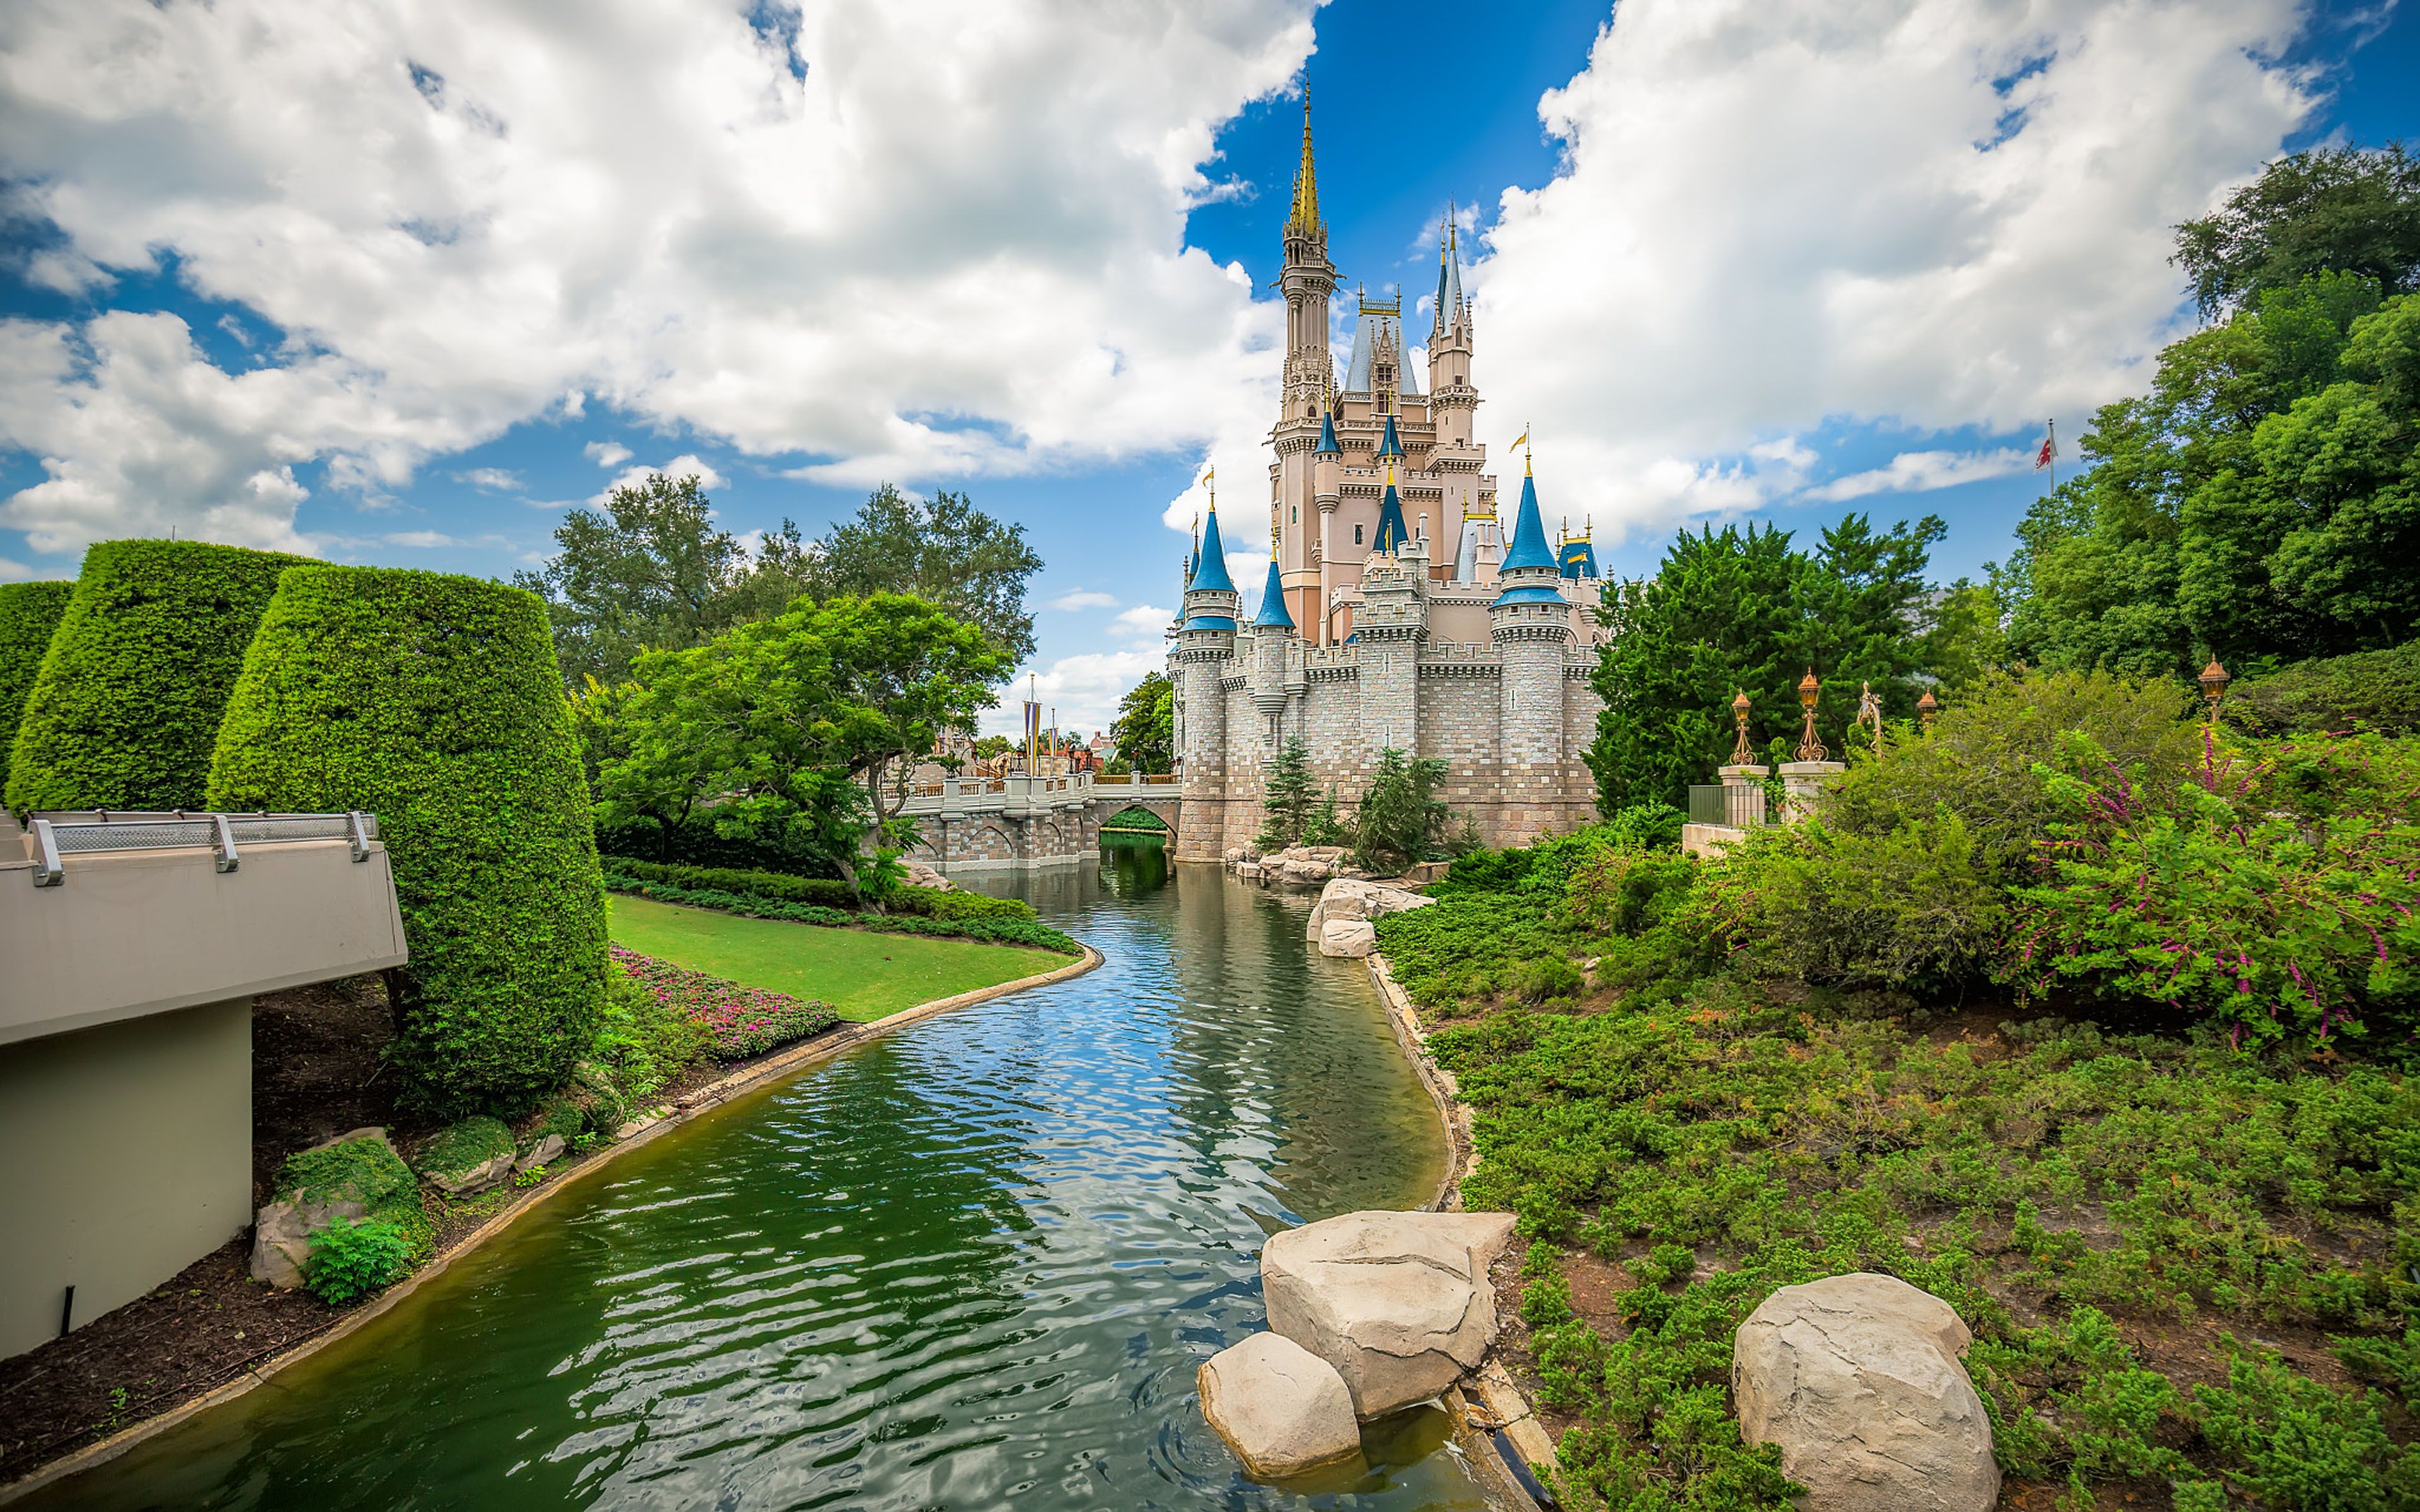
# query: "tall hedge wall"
{"points": [[434, 701], [28, 613], [126, 707]]}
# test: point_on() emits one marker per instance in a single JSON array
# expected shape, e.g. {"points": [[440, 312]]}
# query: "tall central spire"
{"points": [[1306, 179]]}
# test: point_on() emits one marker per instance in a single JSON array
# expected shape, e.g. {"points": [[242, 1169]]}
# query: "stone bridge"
{"points": [[996, 824]]}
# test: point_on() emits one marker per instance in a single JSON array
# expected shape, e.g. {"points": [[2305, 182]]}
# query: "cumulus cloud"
{"points": [[1143, 619], [897, 240], [1917, 471], [1084, 599], [687, 465], [607, 454], [495, 480], [424, 540], [1931, 213], [1084, 689]]}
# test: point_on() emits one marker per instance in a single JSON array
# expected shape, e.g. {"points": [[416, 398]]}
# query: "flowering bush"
{"points": [[739, 1021], [2274, 895]]}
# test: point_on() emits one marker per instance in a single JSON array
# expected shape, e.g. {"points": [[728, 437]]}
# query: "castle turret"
{"points": [[1531, 623], [1273, 639], [1453, 399], [1327, 494], [1205, 643]]}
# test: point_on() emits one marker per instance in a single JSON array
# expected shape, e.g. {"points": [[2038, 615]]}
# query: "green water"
{"points": [[972, 1265]]}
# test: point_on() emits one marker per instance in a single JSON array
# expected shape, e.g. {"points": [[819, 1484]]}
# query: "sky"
{"points": [[402, 281]]}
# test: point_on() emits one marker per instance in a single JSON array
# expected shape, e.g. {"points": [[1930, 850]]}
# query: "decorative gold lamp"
{"points": [[1926, 707], [1741, 755], [2213, 686], [1809, 748]]}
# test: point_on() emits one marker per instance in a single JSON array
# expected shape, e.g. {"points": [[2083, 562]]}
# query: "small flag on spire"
{"points": [[1523, 442], [2049, 451]]}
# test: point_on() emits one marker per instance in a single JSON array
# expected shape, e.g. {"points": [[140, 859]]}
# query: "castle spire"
{"points": [[1305, 218], [1273, 615], [1210, 559], [1529, 548]]}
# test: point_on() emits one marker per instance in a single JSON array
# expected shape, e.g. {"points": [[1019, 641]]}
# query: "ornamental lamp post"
{"points": [[2213, 685], [1926, 707], [1809, 748], [1741, 755]]}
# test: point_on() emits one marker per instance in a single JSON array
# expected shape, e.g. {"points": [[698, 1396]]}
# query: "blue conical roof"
{"points": [[1389, 444], [1392, 533], [1210, 567], [1579, 559], [1327, 446], [1273, 610], [1529, 548]]}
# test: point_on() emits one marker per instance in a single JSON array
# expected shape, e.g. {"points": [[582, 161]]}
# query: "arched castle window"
{"points": [[1356, 536]]}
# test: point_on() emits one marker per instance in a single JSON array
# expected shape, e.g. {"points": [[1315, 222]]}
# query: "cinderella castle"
{"points": [[1369, 633]]}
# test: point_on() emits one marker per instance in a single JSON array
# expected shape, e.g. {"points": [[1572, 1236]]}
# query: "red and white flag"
{"points": [[2049, 451]]}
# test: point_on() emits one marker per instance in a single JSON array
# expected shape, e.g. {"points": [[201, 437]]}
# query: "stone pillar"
{"points": [[1805, 783], [1749, 804]]}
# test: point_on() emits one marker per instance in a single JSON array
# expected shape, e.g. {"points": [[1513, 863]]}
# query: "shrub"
{"points": [[1977, 762], [459, 1147], [988, 931], [126, 707], [642, 1040], [433, 701], [30, 613], [934, 903], [353, 1257], [1399, 821], [696, 843], [824, 892], [2377, 690], [2292, 1441], [731, 1021]]}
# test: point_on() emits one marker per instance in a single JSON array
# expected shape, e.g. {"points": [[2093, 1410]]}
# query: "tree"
{"points": [[1400, 821], [651, 572], [942, 549], [2346, 209], [1288, 796], [642, 762], [1742, 612], [1145, 728], [904, 672]]}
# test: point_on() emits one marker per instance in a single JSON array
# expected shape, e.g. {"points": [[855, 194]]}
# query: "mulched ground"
{"points": [[315, 1074]]}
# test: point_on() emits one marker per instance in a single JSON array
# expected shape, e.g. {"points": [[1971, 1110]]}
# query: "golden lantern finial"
{"points": [[1741, 755], [1809, 748], [1926, 707], [2213, 681]]}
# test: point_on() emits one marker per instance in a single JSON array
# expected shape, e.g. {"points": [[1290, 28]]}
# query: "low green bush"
{"points": [[824, 892], [2375, 691], [988, 931], [434, 703], [125, 709], [644, 1040], [731, 1021], [30, 613], [932, 902], [354, 1257], [468, 1142]]}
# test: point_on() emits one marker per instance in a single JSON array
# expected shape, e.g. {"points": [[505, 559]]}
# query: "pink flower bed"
{"points": [[741, 1021]]}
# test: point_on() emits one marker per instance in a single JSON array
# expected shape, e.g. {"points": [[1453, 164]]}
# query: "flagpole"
{"points": [[2053, 422]]}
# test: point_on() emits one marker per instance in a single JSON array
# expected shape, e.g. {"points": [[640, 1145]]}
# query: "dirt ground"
{"points": [[316, 1073]]}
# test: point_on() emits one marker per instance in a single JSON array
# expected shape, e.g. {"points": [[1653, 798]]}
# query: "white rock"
{"points": [[1354, 898], [547, 1149], [1399, 1302], [1856, 1377], [1282, 1409], [1350, 938], [477, 1178], [1248, 870]]}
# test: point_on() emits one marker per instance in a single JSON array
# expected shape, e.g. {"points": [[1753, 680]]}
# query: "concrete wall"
{"points": [[124, 1156]]}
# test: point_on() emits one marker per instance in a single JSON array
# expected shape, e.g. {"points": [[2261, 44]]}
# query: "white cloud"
{"points": [[955, 245], [495, 480], [1084, 599], [424, 540], [13, 571], [1769, 217], [1143, 619], [607, 454], [683, 466], [1920, 471], [1084, 689]]}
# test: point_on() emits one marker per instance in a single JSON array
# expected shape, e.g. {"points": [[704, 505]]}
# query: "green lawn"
{"points": [[862, 975]]}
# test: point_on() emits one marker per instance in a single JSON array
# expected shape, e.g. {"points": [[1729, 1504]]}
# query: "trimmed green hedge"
{"points": [[126, 708], [433, 701], [30, 613], [989, 932], [823, 892], [2369, 690]]}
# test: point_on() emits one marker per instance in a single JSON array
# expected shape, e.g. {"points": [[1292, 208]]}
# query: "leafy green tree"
{"points": [[1288, 796], [1145, 728], [904, 672], [1742, 612], [642, 763], [651, 572], [2349, 209], [1400, 821], [941, 550]]}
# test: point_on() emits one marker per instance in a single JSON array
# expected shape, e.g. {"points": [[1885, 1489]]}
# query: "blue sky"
{"points": [[402, 287]]}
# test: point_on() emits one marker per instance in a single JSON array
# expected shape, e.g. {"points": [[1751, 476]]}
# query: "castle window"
{"points": [[1356, 536], [1294, 515]]}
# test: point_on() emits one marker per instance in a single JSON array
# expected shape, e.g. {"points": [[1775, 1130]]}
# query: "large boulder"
{"points": [[347, 1177], [1282, 1409], [1857, 1378], [1355, 897], [921, 876], [468, 1157], [1348, 937], [1399, 1302]]}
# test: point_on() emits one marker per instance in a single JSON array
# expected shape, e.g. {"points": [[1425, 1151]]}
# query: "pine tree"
{"points": [[1290, 795]]}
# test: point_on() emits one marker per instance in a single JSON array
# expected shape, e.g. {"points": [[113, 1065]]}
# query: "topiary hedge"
{"points": [[433, 701], [125, 710], [823, 892], [30, 613]]}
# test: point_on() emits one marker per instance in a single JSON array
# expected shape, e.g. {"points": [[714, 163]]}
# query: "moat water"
{"points": [[972, 1265]]}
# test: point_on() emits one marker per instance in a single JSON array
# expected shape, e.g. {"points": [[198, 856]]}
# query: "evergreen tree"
{"points": [[1324, 828], [1401, 822], [1289, 798]]}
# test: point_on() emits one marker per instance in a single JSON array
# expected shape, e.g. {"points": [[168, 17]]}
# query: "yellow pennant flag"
{"points": [[1523, 442]]}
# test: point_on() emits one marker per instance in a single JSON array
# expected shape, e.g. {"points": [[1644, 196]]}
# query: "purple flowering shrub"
{"points": [[739, 1022], [2272, 891]]}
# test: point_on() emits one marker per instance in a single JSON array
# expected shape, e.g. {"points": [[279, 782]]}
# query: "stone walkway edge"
{"points": [[760, 1076], [1500, 1407]]}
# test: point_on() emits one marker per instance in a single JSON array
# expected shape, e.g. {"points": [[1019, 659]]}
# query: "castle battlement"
{"points": [[1396, 614]]}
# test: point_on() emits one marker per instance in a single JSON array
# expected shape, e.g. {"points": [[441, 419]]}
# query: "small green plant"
{"points": [[529, 1178], [353, 1257]]}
